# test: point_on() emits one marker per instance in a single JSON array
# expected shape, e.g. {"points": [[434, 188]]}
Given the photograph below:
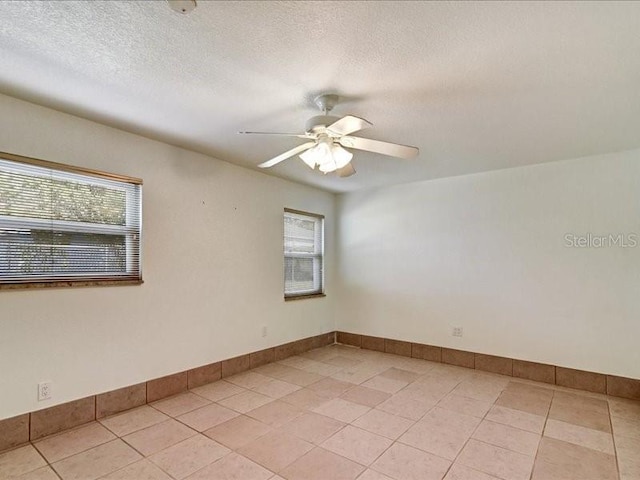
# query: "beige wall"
{"points": [[487, 252], [212, 266]]}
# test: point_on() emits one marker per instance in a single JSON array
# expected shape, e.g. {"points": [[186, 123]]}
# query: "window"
{"points": [[303, 254], [63, 225]]}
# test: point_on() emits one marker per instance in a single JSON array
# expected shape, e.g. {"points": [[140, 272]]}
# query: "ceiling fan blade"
{"points": [[346, 171], [287, 154], [347, 125], [299, 135], [385, 148]]}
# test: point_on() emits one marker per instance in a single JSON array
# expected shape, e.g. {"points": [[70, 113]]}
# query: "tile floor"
{"points": [[343, 413]]}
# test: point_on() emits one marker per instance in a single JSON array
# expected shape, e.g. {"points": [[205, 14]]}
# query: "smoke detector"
{"points": [[182, 6]]}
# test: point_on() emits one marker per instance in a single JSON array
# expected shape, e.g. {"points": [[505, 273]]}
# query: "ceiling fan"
{"points": [[328, 136]]}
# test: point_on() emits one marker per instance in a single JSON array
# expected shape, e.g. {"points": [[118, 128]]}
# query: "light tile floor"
{"points": [[343, 413]]}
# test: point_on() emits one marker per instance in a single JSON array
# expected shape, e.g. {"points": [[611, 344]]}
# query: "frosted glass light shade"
{"points": [[329, 158], [310, 157], [341, 156]]}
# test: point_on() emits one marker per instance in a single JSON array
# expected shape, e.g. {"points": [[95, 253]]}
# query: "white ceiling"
{"points": [[476, 86]]}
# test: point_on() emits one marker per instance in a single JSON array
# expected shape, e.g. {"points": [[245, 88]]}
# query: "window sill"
{"points": [[67, 284], [303, 297]]}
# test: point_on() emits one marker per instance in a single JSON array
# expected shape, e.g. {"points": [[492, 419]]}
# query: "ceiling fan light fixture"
{"points": [[310, 157], [316, 155], [336, 158], [328, 156], [341, 156]]}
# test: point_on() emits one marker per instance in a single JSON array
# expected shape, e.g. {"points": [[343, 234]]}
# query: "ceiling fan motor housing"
{"points": [[319, 123]]}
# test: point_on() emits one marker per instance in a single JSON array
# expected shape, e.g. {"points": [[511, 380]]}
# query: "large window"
{"points": [[303, 254], [63, 225]]}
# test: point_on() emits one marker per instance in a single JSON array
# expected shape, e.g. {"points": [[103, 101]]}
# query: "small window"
{"points": [[303, 254], [63, 225]]}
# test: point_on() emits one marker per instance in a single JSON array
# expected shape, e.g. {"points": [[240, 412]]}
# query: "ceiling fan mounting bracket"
{"points": [[326, 102]]}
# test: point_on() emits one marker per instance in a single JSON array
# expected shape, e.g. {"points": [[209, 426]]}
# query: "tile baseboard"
{"points": [[121, 399], [539, 372], [14, 431], [21, 429]]}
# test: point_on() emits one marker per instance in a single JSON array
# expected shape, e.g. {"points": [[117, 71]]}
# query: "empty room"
{"points": [[319, 240]]}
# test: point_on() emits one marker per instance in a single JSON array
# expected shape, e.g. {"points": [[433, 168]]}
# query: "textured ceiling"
{"points": [[476, 86]]}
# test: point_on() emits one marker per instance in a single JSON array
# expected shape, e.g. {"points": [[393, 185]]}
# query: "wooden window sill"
{"points": [[304, 297], [67, 284]]}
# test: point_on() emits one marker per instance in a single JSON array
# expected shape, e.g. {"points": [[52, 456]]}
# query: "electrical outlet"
{"points": [[44, 391], [264, 330], [456, 331]]}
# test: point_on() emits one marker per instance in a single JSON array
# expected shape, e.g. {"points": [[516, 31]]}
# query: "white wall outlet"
{"points": [[44, 391], [456, 331], [264, 331]]}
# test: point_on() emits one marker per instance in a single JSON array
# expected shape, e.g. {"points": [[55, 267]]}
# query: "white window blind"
{"points": [[65, 224], [303, 253]]}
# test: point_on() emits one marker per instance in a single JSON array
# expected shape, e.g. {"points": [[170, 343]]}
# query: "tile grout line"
{"points": [[44, 458], [170, 417], [366, 467], [55, 472], [509, 426], [482, 419], [544, 427], [394, 441], [232, 452], [613, 440], [448, 393], [245, 414]]}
